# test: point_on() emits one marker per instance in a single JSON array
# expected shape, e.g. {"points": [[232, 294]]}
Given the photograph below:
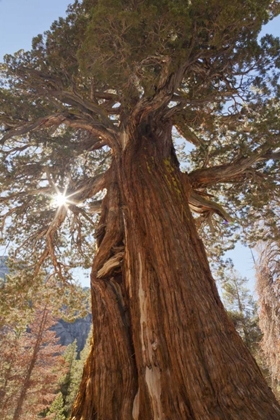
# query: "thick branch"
{"points": [[169, 82], [49, 121], [100, 131], [97, 129], [270, 155], [188, 134], [87, 188], [200, 204], [208, 176], [83, 104]]}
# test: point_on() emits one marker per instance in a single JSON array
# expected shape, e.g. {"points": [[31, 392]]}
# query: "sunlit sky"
{"points": [[21, 20]]}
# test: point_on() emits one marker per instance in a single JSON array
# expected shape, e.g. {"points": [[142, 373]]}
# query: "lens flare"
{"points": [[59, 200]]}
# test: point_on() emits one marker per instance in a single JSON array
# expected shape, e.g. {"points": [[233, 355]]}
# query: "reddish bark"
{"points": [[164, 347], [31, 365]]}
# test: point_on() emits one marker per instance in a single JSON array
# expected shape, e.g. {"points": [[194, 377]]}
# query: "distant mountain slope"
{"points": [[3, 268], [77, 330], [66, 331]]}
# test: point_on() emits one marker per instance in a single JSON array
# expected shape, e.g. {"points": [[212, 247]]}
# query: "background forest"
{"points": [[40, 378]]}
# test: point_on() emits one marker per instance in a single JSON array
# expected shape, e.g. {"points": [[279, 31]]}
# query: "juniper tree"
{"points": [[90, 113]]}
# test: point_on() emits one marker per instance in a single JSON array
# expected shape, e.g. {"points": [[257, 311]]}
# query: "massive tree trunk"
{"points": [[163, 347]]}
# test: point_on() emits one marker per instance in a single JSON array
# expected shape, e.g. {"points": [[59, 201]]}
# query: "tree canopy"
{"points": [[64, 105], [91, 116], [65, 102]]}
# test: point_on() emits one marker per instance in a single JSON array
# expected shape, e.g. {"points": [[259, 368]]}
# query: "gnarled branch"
{"points": [[209, 176]]}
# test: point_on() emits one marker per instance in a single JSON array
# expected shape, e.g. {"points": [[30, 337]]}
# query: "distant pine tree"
{"points": [[70, 382], [56, 411], [242, 309]]}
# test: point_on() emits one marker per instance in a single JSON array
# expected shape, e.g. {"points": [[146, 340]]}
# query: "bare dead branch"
{"points": [[189, 135]]}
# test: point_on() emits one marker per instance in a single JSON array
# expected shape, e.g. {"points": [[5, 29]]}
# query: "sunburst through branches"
{"points": [[59, 200]]}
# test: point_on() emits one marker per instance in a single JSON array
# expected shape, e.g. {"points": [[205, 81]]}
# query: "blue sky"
{"points": [[21, 20]]}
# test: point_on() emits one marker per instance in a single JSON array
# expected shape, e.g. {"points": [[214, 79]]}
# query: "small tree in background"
{"points": [[76, 375], [8, 374], [56, 410], [242, 309], [69, 383], [66, 382]]}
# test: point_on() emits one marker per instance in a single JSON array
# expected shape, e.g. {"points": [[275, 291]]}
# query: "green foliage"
{"points": [[132, 38], [56, 411], [21, 291], [69, 383]]}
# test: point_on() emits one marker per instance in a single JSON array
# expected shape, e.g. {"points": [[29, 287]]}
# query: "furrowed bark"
{"points": [[164, 347], [112, 354]]}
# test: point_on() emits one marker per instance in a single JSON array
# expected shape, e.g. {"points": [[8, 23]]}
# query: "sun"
{"points": [[59, 200]]}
